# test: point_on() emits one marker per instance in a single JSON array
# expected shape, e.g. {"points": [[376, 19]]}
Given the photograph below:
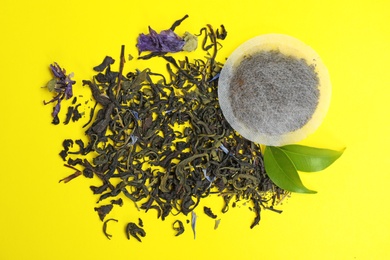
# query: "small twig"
{"points": [[72, 176], [121, 65], [287, 194]]}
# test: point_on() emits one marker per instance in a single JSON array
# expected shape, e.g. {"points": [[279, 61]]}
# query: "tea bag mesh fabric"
{"points": [[273, 94]]}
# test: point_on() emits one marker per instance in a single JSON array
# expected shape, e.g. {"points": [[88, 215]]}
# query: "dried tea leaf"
{"points": [[103, 211], [209, 213], [105, 63], [133, 230], [179, 227], [105, 227], [216, 225]]}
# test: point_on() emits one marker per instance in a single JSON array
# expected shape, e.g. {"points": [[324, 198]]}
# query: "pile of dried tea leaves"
{"points": [[161, 141]]}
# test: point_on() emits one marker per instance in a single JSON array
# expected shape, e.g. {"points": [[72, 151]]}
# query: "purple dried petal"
{"points": [[56, 109], [165, 41], [57, 71], [68, 90], [170, 41], [63, 86]]}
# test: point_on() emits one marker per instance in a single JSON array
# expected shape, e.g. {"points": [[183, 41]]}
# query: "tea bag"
{"points": [[274, 90]]}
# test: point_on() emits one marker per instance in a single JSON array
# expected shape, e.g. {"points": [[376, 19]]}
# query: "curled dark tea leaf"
{"points": [[76, 115], [209, 213], [68, 115], [257, 210], [133, 230], [178, 227], [66, 144], [105, 63], [221, 34], [117, 202], [105, 227], [178, 22]]}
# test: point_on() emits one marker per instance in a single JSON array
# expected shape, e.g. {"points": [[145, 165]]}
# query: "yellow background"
{"points": [[42, 219]]}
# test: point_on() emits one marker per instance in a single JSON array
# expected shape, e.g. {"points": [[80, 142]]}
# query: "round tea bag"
{"points": [[274, 90]]}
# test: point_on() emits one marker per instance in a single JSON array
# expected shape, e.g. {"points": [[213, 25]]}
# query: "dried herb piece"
{"points": [[167, 41], [257, 210], [72, 176], [103, 210], [193, 222], [66, 144], [91, 114], [105, 227], [133, 230], [178, 22], [68, 115], [100, 189], [216, 225], [105, 63], [73, 114], [117, 202], [140, 222], [209, 213], [163, 42], [221, 34], [178, 227], [61, 85], [76, 115]]}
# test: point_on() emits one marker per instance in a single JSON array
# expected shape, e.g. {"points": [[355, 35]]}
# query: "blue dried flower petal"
{"points": [[133, 139], [135, 113], [165, 41], [224, 149], [207, 177], [193, 223]]}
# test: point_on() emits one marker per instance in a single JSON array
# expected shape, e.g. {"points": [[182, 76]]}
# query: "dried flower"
{"points": [[62, 85], [165, 41]]}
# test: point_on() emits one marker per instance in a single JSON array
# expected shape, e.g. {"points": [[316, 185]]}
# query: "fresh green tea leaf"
{"points": [[310, 159], [282, 171]]}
